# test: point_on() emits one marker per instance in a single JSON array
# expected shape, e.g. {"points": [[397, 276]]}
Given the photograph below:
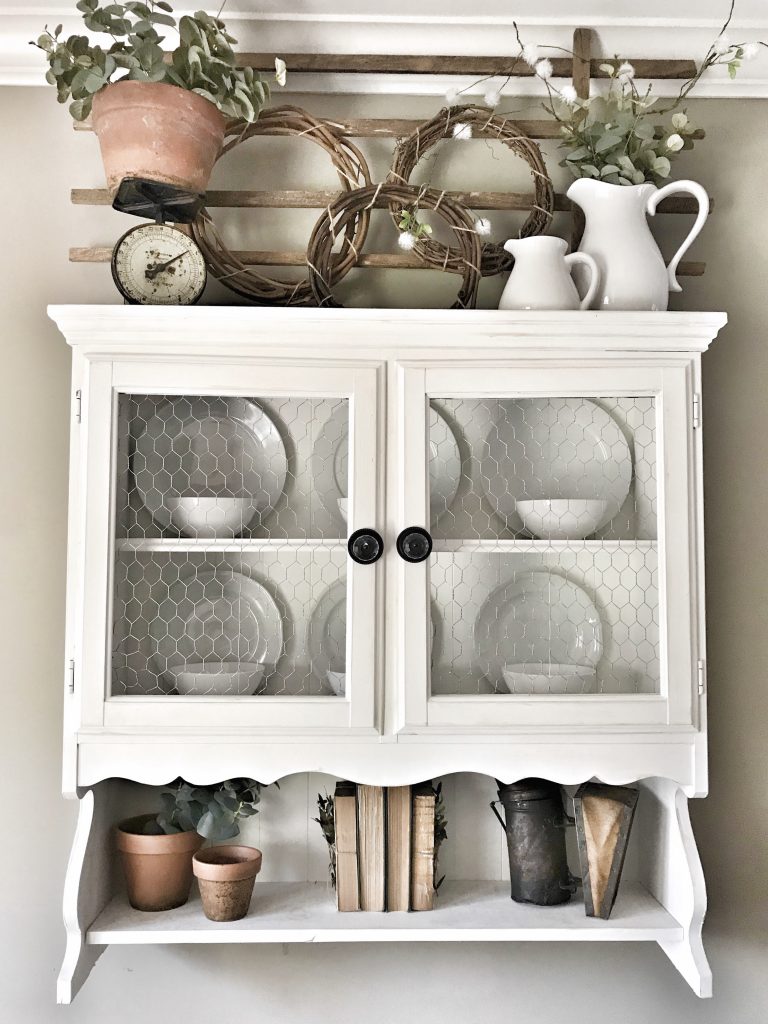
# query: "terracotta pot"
{"points": [[157, 131], [226, 875], [158, 869]]}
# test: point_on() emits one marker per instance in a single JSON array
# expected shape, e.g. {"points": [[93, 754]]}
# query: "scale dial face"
{"points": [[155, 264]]}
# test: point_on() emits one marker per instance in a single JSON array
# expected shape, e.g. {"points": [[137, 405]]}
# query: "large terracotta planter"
{"points": [[158, 869], [226, 875], [156, 131]]}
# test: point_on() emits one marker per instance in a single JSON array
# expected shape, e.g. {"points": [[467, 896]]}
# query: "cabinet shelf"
{"points": [[236, 544], [474, 911], [517, 547]]}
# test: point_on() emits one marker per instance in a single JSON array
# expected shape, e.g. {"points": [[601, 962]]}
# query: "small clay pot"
{"points": [[226, 875], [158, 869], [157, 131]]}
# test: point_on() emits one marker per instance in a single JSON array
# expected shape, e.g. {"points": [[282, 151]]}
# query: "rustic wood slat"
{"points": [[318, 200], [582, 51], [399, 127], [406, 64], [266, 258]]}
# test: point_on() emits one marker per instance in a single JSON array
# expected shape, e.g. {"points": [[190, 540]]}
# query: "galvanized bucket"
{"points": [[535, 828]]}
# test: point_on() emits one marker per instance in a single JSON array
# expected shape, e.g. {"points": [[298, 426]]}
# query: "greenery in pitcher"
{"points": [[211, 811], [203, 62], [625, 136]]}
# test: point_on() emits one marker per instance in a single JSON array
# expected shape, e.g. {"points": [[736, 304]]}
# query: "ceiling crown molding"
{"points": [[362, 32]]}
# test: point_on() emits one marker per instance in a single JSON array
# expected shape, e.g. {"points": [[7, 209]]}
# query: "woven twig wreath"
{"points": [[344, 210], [484, 125], [353, 174]]}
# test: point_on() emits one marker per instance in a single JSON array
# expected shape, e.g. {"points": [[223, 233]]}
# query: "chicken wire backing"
{"points": [[230, 549], [571, 483], [282, 460]]}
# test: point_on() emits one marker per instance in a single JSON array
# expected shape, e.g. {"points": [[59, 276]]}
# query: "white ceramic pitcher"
{"points": [[617, 235], [541, 276]]}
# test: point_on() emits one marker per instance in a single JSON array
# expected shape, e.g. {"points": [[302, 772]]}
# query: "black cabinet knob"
{"points": [[365, 546], [414, 544]]}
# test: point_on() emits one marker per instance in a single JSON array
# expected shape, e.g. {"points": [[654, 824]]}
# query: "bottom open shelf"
{"points": [[474, 911]]}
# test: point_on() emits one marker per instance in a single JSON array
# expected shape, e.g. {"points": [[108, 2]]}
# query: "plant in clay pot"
{"points": [[226, 876], [156, 849], [158, 116]]}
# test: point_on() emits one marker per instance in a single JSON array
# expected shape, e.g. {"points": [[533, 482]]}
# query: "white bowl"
{"points": [[342, 503], [562, 518], [337, 681], [537, 678], [217, 678], [209, 517]]}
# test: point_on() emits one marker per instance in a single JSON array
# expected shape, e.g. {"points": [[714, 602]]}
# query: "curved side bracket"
{"points": [[677, 881], [86, 891]]}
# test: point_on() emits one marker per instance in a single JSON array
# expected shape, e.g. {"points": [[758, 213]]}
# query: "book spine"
{"points": [[347, 883], [423, 853], [371, 847], [398, 848]]}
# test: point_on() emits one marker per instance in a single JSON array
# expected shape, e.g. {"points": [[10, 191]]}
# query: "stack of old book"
{"points": [[385, 847]]}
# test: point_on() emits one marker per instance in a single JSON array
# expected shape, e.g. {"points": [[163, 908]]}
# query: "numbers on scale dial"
{"points": [[155, 264]]}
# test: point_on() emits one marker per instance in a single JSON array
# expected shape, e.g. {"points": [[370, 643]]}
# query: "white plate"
{"points": [[218, 615], [330, 461], [537, 618], [222, 447], [444, 465], [218, 678], [330, 464], [327, 633], [327, 636], [555, 448]]}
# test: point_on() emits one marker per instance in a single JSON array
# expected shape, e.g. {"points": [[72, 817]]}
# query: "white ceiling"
{"points": [[651, 28]]}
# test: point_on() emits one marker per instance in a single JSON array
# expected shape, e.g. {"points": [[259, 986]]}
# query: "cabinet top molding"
{"points": [[100, 327]]}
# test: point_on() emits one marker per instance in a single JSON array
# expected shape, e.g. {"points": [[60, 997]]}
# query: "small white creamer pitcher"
{"points": [[541, 276]]}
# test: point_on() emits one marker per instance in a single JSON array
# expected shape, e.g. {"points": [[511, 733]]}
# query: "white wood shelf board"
{"points": [[475, 911], [236, 544], [516, 547]]}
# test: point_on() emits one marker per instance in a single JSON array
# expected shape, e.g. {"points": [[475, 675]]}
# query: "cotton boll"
{"points": [[722, 45], [483, 226], [406, 240], [568, 94], [492, 98], [451, 97], [544, 68], [750, 51], [531, 54], [626, 71], [462, 132]]}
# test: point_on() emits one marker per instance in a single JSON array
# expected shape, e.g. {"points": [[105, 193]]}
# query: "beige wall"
{"points": [[41, 159]]}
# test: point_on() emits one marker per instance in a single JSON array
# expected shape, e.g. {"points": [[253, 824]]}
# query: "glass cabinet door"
{"points": [[230, 589], [557, 588]]}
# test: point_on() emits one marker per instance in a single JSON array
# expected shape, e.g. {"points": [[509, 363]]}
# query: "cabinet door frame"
{"points": [[358, 382], [671, 381]]}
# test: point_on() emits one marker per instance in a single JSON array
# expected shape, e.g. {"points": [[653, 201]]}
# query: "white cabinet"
{"points": [[522, 492]]}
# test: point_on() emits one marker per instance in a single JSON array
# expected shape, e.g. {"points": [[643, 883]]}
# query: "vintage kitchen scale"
{"points": [[156, 264]]}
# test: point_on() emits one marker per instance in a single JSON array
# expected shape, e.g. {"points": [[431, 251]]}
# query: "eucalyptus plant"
{"points": [[211, 811], [202, 62]]}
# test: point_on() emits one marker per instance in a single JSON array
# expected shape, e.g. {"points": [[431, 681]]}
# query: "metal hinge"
{"points": [[71, 675], [701, 675], [78, 406], [696, 411]]}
